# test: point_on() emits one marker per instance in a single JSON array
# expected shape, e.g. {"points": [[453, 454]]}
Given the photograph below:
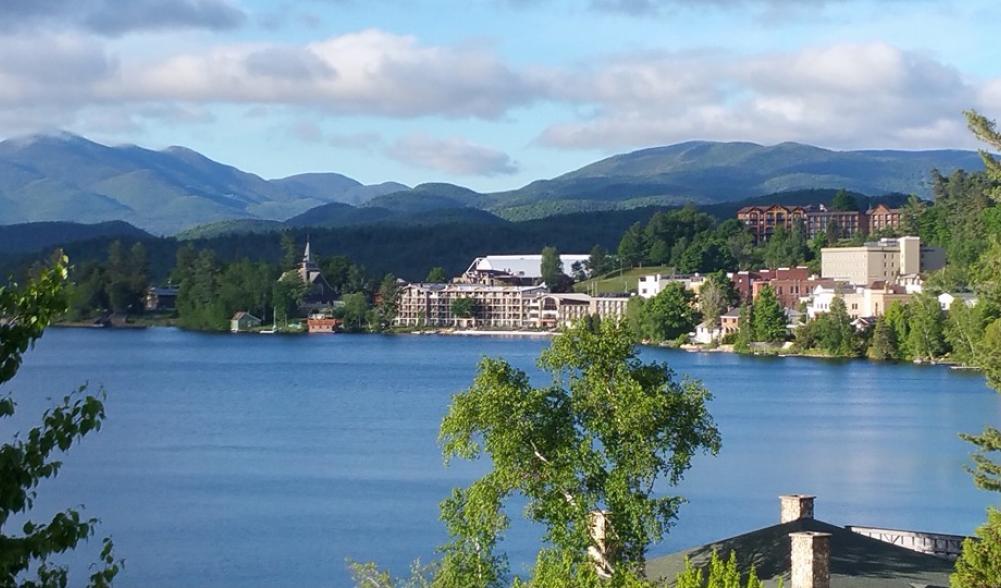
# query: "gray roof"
{"points": [[525, 266], [857, 561]]}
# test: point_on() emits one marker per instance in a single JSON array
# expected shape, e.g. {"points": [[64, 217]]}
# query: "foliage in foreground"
{"points": [[979, 566], [584, 451], [719, 574], [28, 459]]}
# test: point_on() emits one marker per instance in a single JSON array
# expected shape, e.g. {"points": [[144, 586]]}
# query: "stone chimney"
{"points": [[811, 559], [795, 507]]}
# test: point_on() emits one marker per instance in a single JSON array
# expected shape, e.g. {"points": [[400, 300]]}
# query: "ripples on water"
{"points": [[263, 461]]}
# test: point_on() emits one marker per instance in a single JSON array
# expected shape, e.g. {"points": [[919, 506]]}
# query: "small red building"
{"points": [[321, 324]]}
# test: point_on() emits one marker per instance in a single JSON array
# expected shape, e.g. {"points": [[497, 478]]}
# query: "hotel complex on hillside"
{"points": [[817, 219]]}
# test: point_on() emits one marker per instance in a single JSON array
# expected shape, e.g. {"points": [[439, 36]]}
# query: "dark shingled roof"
{"points": [[856, 561]]}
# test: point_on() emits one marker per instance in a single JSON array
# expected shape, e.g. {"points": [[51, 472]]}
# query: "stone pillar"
{"points": [[794, 507], [811, 560]]}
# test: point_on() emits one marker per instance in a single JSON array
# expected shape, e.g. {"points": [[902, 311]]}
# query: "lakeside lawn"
{"points": [[619, 280]]}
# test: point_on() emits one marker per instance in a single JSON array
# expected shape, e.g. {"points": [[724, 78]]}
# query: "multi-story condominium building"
{"points": [[840, 224], [512, 307], [493, 306], [887, 260], [817, 220], [552, 311], [882, 217], [764, 220]]}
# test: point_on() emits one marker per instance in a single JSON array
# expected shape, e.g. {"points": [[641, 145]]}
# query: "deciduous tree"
{"points": [[26, 460], [585, 452]]}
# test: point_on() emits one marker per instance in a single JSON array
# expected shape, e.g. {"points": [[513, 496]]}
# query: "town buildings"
{"points": [[860, 301], [817, 219], [885, 260]]}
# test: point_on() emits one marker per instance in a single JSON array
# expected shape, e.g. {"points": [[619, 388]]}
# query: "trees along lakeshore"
{"points": [[29, 458], [668, 316], [980, 563], [585, 451], [768, 322]]}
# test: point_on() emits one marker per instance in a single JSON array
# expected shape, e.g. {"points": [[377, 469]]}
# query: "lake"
{"points": [[268, 461]]}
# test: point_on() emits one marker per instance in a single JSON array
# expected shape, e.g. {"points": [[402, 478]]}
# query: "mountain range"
{"points": [[60, 177]]}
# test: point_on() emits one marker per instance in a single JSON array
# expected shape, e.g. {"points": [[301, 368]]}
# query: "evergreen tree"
{"points": [[745, 329], [388, 303], [436, 275], [884, 342], [632, 248], [769, 319], [844, 201], [290, 253], [979, 566], [897, 317], [986, 130], [597, 262], [552, 269]]}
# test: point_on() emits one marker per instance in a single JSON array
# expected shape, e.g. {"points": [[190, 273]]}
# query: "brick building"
{"points": [[817, 219]]}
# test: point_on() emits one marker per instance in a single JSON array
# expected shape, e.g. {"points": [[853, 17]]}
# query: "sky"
{"points": [[493, 94]]}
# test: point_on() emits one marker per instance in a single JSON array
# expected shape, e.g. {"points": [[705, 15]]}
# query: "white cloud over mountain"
{"points": [[840, 95]]}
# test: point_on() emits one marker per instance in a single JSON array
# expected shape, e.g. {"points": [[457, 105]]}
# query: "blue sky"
{"points": [[493, 94]]}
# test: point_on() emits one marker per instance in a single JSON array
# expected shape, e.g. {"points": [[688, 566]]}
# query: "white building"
{"points": [[884, 260], [650, 285], [946, 299], [860, 301]]}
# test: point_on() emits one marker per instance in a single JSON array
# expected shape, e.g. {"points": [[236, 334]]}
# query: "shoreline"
{"points": [[687, 347]]}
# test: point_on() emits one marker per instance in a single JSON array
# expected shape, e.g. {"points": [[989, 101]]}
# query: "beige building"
{"points": [[493, 306], [886, 260], [860, 301], [552, 311], [511, 307]]}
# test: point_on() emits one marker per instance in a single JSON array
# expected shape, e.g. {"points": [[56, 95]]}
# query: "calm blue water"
{"points": [[267, 461]]}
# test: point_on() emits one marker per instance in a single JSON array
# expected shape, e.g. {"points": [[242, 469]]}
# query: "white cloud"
{"points": [[453, 155], [369, 72], [847, 95]]}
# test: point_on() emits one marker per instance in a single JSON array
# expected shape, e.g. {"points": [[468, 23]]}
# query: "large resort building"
{"points": [[817, 219], [506, 292]]}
